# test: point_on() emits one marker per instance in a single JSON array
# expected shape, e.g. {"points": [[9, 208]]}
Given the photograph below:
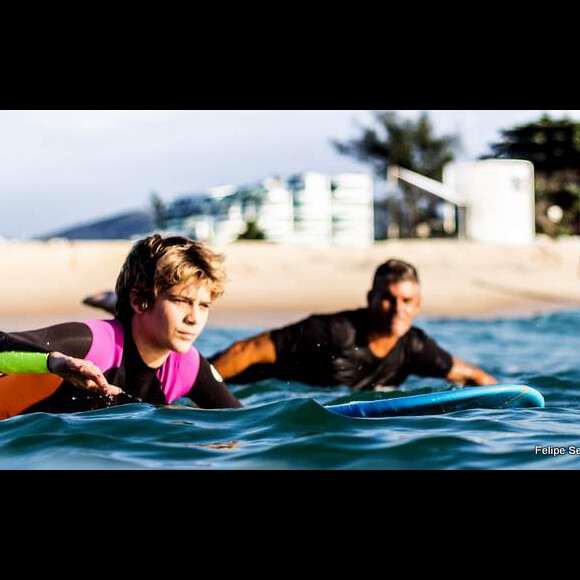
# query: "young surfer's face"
{"points": [[178, 316], [394, 306]]}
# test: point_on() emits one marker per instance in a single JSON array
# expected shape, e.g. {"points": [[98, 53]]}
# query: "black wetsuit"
{"points": [[330, 350], [112, 348]]}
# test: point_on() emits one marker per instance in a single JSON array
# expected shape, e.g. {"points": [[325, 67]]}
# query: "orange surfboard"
{"points": [[18, 392]]}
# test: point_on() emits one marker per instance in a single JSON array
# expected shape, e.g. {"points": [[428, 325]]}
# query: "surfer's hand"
{"points": [[81, 373]]}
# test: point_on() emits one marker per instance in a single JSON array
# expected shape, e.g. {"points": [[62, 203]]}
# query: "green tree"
{"points": [[553, 146], [410, 144], [253, 232], [406, 143]]}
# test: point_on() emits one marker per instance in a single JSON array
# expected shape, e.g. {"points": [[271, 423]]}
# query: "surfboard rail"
{"points": [[493, 397]]}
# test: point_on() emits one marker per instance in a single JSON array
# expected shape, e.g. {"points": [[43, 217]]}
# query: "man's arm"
{"points": [[245, 353], [463, 374]]}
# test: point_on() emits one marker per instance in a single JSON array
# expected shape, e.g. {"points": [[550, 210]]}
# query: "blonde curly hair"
{"points": [[156, 264]]}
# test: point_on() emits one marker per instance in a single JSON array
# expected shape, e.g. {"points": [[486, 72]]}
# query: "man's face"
{"points": [[393, 307]]}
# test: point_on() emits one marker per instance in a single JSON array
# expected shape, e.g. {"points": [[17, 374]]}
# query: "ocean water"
{"points": [[284, 425]]}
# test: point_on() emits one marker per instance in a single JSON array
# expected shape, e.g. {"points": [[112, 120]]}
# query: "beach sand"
{"points": [[43, 283]]}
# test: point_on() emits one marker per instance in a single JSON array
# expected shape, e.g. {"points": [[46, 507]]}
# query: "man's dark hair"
{"points": [[395, 271]]}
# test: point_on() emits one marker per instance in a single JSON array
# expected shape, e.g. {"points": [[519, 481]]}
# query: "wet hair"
{"points": [[395, 271], [156, 264]]}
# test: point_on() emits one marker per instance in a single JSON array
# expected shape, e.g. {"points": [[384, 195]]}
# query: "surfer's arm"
{"points": [[463, 374], [41, 352], [245, 353], [76, 371]]}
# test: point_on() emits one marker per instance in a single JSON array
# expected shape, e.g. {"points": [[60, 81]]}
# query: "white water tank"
{"points": [[500, 199]]}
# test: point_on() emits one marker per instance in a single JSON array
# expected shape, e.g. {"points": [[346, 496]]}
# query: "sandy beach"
{"points": [[45, 282]]}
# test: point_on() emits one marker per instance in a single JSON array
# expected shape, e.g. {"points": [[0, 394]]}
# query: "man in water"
{"points": [[365, 349]]}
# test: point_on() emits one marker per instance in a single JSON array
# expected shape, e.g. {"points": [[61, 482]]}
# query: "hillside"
{"points": [[120, 227]]}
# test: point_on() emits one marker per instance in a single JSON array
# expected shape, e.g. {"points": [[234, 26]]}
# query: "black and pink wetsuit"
{"points": [[111, 347]]}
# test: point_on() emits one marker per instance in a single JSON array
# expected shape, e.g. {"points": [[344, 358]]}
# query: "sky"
{"points": [[64, 168]]}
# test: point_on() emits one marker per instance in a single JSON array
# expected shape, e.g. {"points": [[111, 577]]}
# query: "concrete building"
{"points": [[309, 208], [312, 202], [352, 209], [270, 205]]}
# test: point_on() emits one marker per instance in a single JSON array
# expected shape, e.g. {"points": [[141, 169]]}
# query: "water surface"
{"points": [[285, 426]]}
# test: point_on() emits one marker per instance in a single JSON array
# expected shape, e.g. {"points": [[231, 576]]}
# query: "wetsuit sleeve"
{"points": [[73, 339], [210, 391], [428, 359]]}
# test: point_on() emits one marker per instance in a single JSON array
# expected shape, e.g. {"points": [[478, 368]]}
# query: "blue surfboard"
{"points": [[496, 397]]}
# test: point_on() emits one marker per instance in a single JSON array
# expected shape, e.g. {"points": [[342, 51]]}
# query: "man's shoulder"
{"points": [[416, 338], [352, 317], [326, 328], [418, 332], [417, 341], [336, 321]]}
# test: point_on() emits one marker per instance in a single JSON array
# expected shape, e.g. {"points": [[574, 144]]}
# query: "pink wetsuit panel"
{"points": [[107, 347], [177, 375]]}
